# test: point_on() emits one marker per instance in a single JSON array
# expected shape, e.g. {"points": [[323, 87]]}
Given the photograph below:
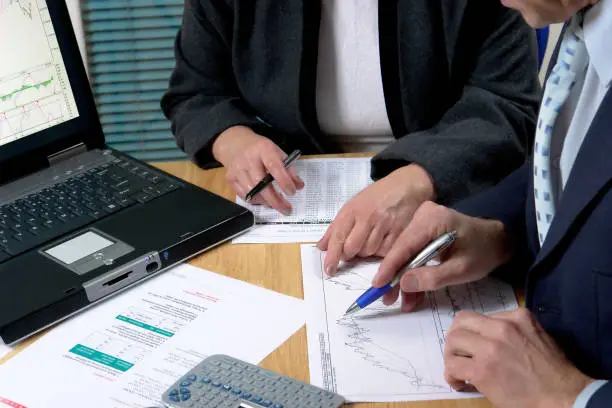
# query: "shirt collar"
{"points": [[597, 37]]}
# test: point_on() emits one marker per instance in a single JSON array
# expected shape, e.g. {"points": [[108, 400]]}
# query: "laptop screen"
{"points": [[35, 92]]}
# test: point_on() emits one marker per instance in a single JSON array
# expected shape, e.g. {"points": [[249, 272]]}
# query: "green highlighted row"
{"points": [[98, 357], [145, 326]]}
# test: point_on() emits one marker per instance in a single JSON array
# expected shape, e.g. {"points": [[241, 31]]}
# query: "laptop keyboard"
{"points": [[78, 201]]}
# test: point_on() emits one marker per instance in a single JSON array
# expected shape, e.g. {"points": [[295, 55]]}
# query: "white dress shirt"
{"points": [[350, 100], [578, 112], [591, 87]]}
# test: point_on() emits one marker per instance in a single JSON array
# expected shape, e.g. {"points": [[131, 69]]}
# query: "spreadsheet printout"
{"points": [[329, 184], [381, 354]]}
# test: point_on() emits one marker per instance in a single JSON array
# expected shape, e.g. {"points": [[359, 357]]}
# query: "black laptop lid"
{"points": [[46, 103]]}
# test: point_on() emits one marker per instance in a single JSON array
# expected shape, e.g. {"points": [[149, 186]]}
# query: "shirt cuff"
{"points": [[583, 398]]}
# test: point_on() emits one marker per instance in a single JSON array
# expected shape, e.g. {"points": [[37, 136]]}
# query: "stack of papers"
{"points": [[329, 183], [128, 350]]}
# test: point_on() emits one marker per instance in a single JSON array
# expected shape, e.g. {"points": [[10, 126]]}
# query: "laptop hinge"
{"points": [[66, 154]]}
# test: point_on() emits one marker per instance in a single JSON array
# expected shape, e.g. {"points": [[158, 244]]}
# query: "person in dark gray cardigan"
{"points": [[448, 87]]}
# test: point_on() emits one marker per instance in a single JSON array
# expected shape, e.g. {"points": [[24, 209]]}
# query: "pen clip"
{"points": [[432, 250], [291, 158]]}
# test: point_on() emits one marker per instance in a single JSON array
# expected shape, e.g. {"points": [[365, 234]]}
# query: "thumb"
{"points": [[435, 277], [428, 223], [405, 247]]}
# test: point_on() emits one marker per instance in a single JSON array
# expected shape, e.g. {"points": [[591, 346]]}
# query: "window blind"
{"points": [[130, 58]]}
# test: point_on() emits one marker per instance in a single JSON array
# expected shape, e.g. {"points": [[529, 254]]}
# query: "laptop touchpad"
{"points": [[86, 251]]}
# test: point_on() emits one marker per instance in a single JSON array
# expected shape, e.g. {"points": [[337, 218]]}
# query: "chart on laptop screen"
{"points": [[35, 93]]}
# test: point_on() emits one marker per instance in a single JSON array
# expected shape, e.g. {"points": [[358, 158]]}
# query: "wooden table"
{"points": [[276, 267]]}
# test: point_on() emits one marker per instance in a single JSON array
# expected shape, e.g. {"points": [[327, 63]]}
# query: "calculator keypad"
{"points": [[224, 382]]}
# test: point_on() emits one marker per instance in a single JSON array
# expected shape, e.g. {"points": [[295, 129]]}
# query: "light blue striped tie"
{"points": [[572, 58]]}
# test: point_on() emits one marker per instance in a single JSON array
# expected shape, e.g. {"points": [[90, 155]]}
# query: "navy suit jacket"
{"points": [[568, 281]]}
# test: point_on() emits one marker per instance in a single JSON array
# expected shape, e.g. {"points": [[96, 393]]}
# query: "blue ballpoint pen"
{"points": [[432, 250]]}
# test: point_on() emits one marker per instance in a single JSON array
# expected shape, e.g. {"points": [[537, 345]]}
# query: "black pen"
{"points": [[268, 179]]}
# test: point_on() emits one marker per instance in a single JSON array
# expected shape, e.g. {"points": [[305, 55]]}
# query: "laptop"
{"points": [[79, 221]]}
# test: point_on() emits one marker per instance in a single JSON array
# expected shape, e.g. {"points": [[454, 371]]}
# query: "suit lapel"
{"points": [[591, 173]]}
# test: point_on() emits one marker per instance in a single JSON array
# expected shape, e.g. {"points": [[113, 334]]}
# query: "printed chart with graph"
{"points": [[35, 92], [381, 354]]}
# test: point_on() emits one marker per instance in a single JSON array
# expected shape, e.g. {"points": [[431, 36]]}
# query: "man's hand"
{"points": [[368, 224], [511, 360], [247, 156], [480, 246]]}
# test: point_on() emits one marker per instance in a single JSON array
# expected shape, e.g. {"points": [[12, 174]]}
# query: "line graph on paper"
{"points": [[382, 354], [35, 93], [485, 296], [24, 6]]}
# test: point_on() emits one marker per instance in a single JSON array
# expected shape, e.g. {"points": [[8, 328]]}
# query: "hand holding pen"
{"points": [[431, 251], [479, 247], [268, 179], [249, 158]]}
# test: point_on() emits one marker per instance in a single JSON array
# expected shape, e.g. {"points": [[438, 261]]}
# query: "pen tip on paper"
{"points": [[354, 308]]}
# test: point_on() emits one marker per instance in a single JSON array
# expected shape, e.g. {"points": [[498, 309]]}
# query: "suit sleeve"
{"points": [[203, 99], [506, 202], [488, 132]]}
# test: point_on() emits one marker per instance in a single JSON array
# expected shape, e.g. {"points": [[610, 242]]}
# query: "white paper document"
{"points": [[381, 354], [4, 350], [127, 351], [329, 183]]}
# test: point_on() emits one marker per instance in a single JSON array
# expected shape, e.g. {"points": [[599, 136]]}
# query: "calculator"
{"points": [[222, 381]]}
